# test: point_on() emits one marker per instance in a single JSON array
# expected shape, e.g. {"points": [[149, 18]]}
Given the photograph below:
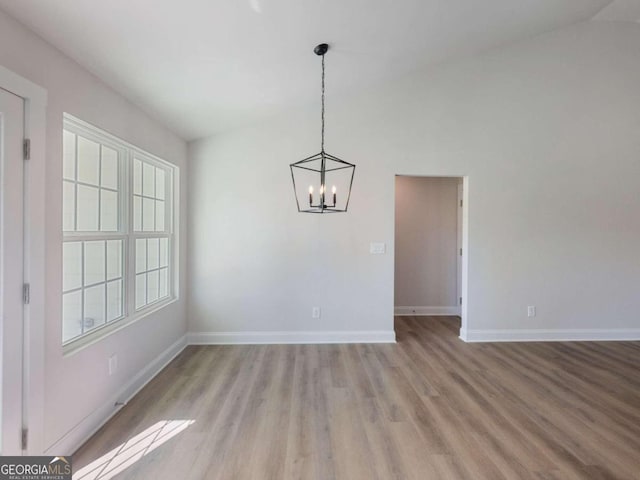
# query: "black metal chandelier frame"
{"points": [[328, 163]]}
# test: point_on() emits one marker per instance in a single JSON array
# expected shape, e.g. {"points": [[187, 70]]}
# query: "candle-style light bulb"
{"points": [[334, 195], [310, 195]]}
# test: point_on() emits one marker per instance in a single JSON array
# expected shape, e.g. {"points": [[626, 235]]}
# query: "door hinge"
{"points": [[460, 252], [460, 300], [26, 148], [26, 293], [460, 202], [25, 438]]}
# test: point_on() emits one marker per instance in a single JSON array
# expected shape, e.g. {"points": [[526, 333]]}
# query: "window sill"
{"points": [[99, 334]]}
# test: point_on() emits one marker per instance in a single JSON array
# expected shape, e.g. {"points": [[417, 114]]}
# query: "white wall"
{"points": [[78, 384], [426, 243], [547, 133]]}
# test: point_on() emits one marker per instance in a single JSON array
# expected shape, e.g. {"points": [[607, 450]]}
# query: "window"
{"points": [[117, 231], [149, 227]]}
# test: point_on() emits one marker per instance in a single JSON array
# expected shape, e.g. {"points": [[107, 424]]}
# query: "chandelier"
{"points": [[322, 182]]}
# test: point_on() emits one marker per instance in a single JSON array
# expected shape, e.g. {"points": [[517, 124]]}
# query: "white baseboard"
{"points": [[79, 434], [426, 311], [255, 338], [542, 335]]}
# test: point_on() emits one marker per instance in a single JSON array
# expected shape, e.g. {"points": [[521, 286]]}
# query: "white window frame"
{"points": [[127, 153]]}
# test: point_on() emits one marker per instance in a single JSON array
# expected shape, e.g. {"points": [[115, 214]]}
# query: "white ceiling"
{"points": [[204, 66]]}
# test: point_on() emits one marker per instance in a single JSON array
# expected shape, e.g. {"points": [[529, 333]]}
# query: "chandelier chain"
{"points": [[322, 113]]}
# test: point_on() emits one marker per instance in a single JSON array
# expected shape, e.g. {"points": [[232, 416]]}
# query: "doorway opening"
{"points": [[430, 254]]}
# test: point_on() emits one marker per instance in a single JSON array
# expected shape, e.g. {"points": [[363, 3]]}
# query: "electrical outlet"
{"points": [[531, 311], [315, 312], [113, 364]]}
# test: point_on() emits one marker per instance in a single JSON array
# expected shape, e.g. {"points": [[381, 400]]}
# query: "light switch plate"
{"points": [[377, 248]]}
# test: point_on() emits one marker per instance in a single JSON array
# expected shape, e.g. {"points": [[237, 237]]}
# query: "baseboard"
{"points": [[79, 434], [427, 311], [256, 338], [463, 334], [551, 335]]}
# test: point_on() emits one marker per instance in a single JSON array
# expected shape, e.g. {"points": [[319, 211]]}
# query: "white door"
{"points": [[11, 271]]}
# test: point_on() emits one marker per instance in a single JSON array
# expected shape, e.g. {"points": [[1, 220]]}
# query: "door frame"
{"points": [[35, 104], [459, 249], [463, 240]]}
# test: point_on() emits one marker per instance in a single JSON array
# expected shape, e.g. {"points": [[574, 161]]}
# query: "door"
{"points": [[11, 272]]}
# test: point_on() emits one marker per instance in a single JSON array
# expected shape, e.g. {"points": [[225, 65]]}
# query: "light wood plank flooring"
{"points": [[429, 407]]}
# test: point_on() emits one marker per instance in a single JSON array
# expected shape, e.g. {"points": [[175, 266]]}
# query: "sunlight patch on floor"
{"points": [[128, 453]]}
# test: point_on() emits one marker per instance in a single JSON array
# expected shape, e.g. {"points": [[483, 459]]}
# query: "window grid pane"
{"points": [[152, 270], [148, 215], [108, 211], [114, 300], [68, 206], [141, 290], [87, 209], [91, 187], [94, 307], [88, 161], [149, 197], [109, 168], [92, 285]]}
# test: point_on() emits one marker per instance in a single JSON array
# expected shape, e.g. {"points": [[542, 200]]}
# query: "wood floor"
{"points": [[429, 407]]}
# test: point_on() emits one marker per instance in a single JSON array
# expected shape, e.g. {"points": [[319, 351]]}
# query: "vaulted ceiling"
{"points": [[205, 66]]}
